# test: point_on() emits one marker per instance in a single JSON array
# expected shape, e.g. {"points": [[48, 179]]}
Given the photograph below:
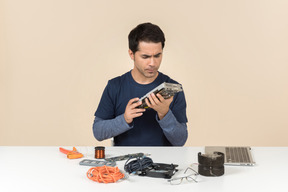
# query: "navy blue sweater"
{"points": [[145, 130]]}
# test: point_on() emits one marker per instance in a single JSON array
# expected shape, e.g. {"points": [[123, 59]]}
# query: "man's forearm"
{"points": [[105, 129], [174, 131]]}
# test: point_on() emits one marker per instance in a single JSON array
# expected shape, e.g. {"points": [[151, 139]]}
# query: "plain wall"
{"points": [[230, 56]]}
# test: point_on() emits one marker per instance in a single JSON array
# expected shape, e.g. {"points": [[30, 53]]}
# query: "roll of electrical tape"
{"points": [[211, 164]]}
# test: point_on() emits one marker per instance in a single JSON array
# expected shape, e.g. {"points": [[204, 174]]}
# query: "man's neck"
{"points": [[141, 79]]}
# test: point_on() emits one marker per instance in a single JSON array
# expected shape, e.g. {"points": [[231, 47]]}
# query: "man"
{"points": [[164, 122]]}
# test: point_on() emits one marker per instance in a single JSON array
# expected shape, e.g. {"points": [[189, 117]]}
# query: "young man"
{"points": [[164, 122]]}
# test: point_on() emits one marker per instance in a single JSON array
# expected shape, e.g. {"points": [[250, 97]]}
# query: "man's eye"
{"points": [[158, 55]]}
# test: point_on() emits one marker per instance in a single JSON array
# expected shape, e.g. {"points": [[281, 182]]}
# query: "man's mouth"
{"points": [[150, 70]]}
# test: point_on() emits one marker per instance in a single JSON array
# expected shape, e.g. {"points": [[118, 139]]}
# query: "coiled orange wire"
{"points": [[105, 174]]}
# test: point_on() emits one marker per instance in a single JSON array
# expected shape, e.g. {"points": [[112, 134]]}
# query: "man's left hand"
{"points": [[159, 104]]}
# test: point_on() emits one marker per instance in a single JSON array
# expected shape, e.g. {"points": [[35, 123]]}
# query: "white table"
{"points": [[43, 169]]}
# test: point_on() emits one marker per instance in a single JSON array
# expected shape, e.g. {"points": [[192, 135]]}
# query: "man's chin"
{"points": [[151, 75]]}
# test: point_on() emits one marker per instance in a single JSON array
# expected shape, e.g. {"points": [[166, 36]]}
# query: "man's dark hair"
{"points": [[146, 32]]}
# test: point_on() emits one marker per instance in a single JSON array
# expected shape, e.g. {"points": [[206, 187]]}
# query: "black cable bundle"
{"points": [[137, 165]]}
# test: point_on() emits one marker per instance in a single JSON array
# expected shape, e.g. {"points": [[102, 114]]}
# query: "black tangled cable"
{"points": [[138, 164]]}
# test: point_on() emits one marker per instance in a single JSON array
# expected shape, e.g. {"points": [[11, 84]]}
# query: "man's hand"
{"points": [[131, 111], [159, 104]]}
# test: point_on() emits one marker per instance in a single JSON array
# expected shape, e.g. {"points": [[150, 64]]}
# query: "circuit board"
{"points": [[167, 90]]}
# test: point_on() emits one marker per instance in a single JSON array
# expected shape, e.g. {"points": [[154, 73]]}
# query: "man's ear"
{"points": [[131, 54]]}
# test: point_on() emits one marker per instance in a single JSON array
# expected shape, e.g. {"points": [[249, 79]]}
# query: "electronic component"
{"points": [[96, 163], [144, 166], [167, 90], [211, 164], [99, 152], [124, 157], [160, 170]]}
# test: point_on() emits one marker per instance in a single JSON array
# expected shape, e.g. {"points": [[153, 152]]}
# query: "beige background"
{"points": [[57, 56]]}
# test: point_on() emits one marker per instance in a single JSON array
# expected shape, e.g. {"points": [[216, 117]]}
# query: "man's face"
{"points": [[147, 59]]}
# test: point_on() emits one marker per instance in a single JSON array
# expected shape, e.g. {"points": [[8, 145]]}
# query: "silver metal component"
{"points": [[96, 163], [167, 90], [125, 157]]}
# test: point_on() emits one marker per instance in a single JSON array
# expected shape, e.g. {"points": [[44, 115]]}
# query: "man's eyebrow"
{"points": [[145, 55]]}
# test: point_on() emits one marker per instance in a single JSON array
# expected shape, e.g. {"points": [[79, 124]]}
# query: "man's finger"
{"points": [[155, 99], [133, 100], [160, 97]]}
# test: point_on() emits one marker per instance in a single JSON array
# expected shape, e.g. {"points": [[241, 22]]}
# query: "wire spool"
{"points": [[99, 152], [105, 174]]}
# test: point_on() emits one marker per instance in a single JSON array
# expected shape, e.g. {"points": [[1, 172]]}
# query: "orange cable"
{"points": [[105, 174]]}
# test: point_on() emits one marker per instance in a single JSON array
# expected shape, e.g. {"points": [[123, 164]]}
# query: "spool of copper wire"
{"points": [[99, 152]]}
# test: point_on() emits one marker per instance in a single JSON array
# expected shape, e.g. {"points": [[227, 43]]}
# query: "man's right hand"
{"points": [[131, 111]]}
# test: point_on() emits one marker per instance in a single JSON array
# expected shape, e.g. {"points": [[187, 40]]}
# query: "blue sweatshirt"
{"points": [[146, 130]]}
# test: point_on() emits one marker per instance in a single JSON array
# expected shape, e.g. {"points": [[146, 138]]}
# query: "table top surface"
{"points": [[44, 168]]}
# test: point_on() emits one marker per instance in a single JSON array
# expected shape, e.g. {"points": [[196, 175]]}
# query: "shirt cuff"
{"points": [[166, 118], [128, 125]]}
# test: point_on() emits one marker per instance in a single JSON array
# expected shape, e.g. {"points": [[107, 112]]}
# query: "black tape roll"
{"points": [[211, 164]]}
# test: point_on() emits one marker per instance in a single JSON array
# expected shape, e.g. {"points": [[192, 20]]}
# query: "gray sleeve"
{"points": [[105, 129], [174, 131]]}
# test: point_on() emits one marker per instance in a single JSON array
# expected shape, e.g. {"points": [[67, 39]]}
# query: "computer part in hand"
{"points": [[166, 90]]}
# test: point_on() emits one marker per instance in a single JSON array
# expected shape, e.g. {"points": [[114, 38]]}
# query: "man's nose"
{"points": [[152, 61]]}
